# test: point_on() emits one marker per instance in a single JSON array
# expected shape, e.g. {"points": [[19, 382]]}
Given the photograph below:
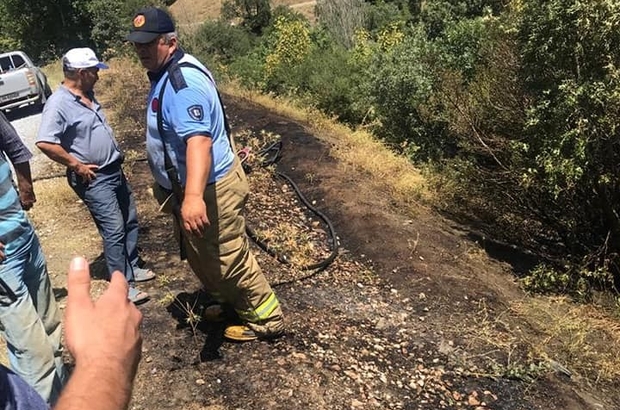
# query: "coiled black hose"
{"points": [[271, 154]]}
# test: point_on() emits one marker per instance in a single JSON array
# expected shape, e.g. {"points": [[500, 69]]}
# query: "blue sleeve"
{"points": [[53, 123], [190, 110], [15, 394], [11, 144]]}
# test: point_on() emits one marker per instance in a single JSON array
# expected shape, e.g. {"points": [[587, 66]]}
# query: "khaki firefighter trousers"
{"points": [[222, 259]]}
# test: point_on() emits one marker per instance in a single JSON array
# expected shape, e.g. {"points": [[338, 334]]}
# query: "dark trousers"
{"points": [[112, 206]]}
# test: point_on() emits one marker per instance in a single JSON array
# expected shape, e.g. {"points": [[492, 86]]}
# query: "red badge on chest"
{"points": [[155, 104]]}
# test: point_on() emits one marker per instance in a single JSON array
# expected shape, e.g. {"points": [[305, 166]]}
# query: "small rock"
{"points": [[472, 400], [356, 404], [200, 382]]}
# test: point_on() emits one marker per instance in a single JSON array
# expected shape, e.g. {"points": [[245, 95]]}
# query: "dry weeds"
{"points": [[190, 13], [582, 338]]}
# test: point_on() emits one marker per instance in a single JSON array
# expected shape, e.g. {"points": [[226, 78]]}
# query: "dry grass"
{"points": [[190, 13], [122, 90], [582, 338], [54, 198], [54, 74], [536, 334], [187, 12], [357, 150]]}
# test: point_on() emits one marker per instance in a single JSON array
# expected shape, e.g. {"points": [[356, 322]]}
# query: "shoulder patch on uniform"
{"points": [[176, 78], [196, 112]]}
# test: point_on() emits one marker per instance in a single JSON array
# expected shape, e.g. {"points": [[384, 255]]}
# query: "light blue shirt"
{"points": [[82, 131], [190, 107], [15, 229]]}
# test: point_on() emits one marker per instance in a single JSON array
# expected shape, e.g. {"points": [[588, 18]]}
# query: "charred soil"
{"points": [[411, 315]]}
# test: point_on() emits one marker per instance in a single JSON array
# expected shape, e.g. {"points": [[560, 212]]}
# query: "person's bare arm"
{"points": [[13, 147], [105, 340], [193, 208], [24, 185], [57, 153]]}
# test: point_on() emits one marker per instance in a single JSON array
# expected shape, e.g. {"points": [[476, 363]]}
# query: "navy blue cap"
{"points": [[148, 23]]}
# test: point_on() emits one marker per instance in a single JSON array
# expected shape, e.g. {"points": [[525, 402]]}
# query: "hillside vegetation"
{"points": [[512, 107]]}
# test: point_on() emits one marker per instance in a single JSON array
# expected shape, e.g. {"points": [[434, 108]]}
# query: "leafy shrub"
{"points": [[221, 41], [291, 47], [401, 79], [255, 15], [570, 52]]}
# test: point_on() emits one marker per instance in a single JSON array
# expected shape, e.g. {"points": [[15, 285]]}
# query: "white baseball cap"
{"points": [[81, 58]]}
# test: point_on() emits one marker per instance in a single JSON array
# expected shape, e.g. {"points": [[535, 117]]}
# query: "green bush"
{"points": [[221, 41], [401, 80], [570, 55]]}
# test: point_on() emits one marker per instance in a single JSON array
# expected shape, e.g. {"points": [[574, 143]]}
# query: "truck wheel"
{"points": [[40, 103], [48, 91]]}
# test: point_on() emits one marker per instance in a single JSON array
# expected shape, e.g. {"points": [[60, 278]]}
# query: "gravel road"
{"points": [[27, 127]]}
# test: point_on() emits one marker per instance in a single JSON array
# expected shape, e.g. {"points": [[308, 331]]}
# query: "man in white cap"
{"points": [[74, 132]]}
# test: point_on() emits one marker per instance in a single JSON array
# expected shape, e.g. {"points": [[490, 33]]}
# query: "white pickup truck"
{"points": [[21, 82]]}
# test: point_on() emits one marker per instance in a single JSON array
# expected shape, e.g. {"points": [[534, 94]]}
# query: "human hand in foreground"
{"points": [[104, 338]]}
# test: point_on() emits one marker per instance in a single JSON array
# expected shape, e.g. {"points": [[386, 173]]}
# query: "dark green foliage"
{"points": [[400, 81], [330, 82], [110, 21], [222, 41], [570, 53], [46, 29], [43, 28], [437, 15], [383, 13], [255, 15]]}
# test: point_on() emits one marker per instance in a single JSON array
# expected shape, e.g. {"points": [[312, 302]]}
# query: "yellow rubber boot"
{"points": [[240, 333]]}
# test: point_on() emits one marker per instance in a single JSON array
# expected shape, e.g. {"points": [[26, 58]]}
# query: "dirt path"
{"points": [[412, 315]]}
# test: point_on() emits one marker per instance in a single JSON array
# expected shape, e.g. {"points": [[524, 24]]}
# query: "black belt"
{"points": [[111, 167]]}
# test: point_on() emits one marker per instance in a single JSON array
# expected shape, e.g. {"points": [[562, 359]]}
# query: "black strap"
{"points": [[173, 175], [219, 97]]}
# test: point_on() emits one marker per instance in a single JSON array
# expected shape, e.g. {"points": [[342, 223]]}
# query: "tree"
{"points": [[570, 54], [255, 15], [43, 28], [341, 18]]}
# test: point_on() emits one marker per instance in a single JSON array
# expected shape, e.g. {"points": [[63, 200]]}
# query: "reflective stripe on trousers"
{"points": [[222, 258]]}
